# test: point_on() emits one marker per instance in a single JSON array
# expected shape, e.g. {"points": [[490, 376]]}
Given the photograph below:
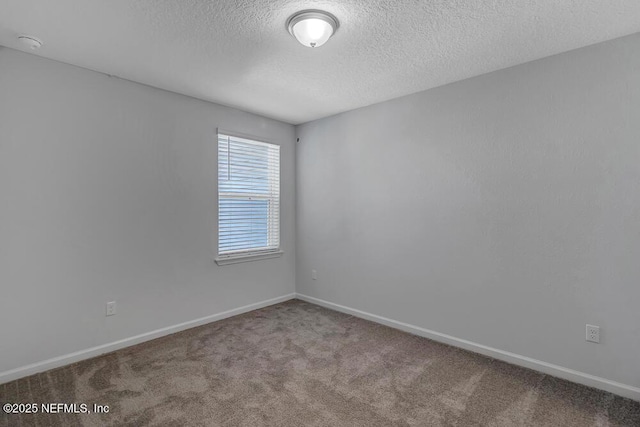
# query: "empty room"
{"points": [[320, 213]]}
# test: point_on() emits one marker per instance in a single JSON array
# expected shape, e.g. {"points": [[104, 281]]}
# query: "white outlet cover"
{"points": [[111, 308], [593, 333]]}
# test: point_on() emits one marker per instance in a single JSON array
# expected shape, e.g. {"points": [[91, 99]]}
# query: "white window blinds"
{"points": [[248, 196]]}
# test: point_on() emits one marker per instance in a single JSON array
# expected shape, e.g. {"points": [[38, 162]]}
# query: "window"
{"points": [[248, 198]]}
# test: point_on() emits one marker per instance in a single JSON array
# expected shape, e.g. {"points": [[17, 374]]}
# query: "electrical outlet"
{"points": [[314, 275], [111, 308], [593, 333]]}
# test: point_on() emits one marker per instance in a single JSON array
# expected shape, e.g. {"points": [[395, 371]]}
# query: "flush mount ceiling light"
{"points": [[312, 28], [30, 42]]}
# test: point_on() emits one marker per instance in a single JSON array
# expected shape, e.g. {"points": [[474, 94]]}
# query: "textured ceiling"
{"points": [[238, 53]]}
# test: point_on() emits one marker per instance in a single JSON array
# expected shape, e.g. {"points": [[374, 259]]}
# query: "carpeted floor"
{"points": [[297, 364]]}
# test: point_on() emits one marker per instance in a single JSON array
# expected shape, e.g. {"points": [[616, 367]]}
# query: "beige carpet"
{"points": [[297, 364]]}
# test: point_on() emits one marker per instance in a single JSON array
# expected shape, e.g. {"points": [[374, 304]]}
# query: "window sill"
{"points": [[235, 259]]}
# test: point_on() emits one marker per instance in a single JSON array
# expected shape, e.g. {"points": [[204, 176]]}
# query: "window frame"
{"points": [[244, 255]]}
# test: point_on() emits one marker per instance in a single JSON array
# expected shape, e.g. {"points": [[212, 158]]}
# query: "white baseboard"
{"points": [[620, 389], [77, 356]]}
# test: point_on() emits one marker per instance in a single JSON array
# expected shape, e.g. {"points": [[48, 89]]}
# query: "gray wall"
{"points": [[504, 209], [108, 192]]}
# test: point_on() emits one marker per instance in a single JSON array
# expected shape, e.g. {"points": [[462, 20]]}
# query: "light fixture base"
{"points": [[30, 42]]}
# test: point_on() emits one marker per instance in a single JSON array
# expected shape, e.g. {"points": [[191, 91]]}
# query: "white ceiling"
{"points": [[238, 53]]}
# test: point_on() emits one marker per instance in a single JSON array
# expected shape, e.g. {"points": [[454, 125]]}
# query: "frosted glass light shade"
{"points": [[312, 28]]}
